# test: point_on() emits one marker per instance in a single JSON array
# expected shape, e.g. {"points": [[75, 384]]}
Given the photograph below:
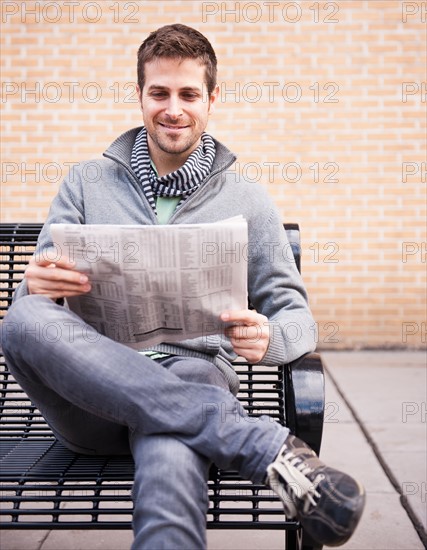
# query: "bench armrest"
{"points": [[304, 391]]}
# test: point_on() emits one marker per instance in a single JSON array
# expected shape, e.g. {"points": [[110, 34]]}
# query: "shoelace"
{"points": [[293, 471]]}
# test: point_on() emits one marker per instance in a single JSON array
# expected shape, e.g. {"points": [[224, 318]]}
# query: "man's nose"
{"points": [[173, 108]]}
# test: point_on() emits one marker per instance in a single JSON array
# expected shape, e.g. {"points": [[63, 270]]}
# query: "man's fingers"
{"points": [[251, 332], [56, 289], [47, 258], [248, 331], [55, 274], [242, 316], [241, 322], [55, 279]]}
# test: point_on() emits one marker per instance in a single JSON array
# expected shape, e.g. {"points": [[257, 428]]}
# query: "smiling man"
{"points": [[166, 405]]}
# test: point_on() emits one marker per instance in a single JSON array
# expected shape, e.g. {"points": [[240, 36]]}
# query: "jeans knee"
{"points": [[24, 316], [28, 306]]}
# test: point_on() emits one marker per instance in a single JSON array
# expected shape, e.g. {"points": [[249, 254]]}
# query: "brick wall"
{"points": [[324, 102]]}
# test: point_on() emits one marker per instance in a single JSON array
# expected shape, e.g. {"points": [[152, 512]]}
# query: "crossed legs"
{"points": [[98, 395]]}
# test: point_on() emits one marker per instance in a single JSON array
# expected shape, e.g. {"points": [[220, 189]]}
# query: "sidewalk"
{"points": [[375, 429]]}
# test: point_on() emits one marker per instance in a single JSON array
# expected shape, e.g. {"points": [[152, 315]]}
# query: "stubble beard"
{"points": [[175, 145]]}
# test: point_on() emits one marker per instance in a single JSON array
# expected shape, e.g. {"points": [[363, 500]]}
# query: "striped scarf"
{"points": [[181, 183]]}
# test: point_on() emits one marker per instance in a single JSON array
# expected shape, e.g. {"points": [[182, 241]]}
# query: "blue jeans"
{"points": [[101, 397]]}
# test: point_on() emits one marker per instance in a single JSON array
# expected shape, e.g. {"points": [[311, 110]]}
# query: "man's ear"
{"points": [[213, 98]]}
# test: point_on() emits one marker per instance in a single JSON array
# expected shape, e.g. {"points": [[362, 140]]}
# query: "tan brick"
{"points": [[369, 133]]}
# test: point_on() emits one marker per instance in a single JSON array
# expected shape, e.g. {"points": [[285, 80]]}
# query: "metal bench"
{"points": [[46, 486]]}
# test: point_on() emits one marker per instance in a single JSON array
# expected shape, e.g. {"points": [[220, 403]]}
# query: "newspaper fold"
{"points": [[162, 283]]}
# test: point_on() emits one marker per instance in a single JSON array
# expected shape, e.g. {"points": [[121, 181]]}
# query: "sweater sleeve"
{"points": [[66, 207], [276, 290]]}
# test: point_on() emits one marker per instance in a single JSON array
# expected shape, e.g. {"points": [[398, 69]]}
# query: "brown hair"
{"points": [[178, 42]]}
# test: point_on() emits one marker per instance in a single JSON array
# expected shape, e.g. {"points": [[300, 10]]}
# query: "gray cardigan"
{"points": [[107, 191]]}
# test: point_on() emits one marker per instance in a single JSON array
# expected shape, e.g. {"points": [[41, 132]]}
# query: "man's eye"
{"points": [[190, 97], [158, 95]]}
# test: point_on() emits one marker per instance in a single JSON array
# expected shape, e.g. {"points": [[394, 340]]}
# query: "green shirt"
{"points": [[165, 205], [165, 208]]}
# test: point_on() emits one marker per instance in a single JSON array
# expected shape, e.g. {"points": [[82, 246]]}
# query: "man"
{"points": [[101, 397]]}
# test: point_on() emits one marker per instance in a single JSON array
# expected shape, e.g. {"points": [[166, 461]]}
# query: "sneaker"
{"points": [[328, 503]]}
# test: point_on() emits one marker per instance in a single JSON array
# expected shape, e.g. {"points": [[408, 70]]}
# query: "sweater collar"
{"points": [[121, 150]]}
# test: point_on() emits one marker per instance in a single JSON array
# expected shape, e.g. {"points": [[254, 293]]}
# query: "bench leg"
{"points": [[298, 540], [293, 540]]}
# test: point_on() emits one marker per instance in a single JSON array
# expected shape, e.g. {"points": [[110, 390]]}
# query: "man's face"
{"points": [[175, 106]]}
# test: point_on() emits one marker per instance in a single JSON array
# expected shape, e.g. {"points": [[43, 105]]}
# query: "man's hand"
{"points": [[55, 280], [249, 333]]}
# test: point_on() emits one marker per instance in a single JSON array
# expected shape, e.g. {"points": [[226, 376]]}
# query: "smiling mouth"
{"points": [[172, 127]]}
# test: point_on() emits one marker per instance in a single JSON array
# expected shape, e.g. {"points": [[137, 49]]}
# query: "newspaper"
{"points": [[162, 283]]}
